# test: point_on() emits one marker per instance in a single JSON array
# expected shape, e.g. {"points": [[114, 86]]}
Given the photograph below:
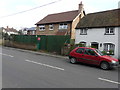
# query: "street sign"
{"points": [[38, 38]]}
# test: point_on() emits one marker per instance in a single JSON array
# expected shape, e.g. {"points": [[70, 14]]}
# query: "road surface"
{"points": [[29, 70]]}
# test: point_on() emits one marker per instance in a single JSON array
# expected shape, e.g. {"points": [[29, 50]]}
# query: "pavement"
{"points": [[36, 52]]}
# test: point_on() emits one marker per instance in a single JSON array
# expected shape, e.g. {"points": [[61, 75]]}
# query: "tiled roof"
{"points": [[59, 17], [10, 30], [100, 19]]}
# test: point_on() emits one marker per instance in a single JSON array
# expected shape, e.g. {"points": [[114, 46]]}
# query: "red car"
{"points": [[92, 56]]}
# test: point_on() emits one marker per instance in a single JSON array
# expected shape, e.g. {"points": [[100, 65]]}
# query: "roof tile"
{"points": [[59, 17]]}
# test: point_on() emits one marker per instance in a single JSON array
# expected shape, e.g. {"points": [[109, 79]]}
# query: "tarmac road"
{"points": [[24, 69]]}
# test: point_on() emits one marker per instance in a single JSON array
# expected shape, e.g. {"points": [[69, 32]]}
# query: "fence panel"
{"points": [[49, 43], [25, 39], [43, 42], [55, 43]]}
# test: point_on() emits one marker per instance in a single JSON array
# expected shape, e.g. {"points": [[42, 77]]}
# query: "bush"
{"points": [[71, 48], [111, 52], [104, 52], [80, 45]]}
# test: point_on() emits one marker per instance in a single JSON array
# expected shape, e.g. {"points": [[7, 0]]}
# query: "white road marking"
{"points": [[45, 65], [6, 55], [108, 80]]}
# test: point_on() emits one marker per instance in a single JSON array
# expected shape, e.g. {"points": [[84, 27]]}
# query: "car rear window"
{"points": [[80, 50]]}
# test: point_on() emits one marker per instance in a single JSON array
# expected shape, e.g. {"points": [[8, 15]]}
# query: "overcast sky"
{"points": [[28, 19]]}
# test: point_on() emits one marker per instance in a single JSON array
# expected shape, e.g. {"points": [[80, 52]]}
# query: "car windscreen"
{"points": [[99, 52]]}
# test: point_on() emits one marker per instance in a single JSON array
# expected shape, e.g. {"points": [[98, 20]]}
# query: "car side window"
{"points": [[80, 50], [90, 52]]}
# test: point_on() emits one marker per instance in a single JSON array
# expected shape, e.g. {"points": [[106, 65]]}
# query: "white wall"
{"points": [[9, 33], [12, 33], [24, 32], [119, 42], [97, 35]]}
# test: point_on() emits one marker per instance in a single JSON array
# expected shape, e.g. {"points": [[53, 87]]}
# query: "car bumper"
{"points": [[114, 64]]}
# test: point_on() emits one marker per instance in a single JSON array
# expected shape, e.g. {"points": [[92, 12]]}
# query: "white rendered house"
{"points": [[10, 31], [100, 30]]}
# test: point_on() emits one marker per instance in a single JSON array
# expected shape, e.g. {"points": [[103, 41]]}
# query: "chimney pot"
{"points": [[80, 8], [81, 2]]}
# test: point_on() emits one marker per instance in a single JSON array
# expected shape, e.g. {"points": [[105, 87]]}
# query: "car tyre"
{"points": [[105, 66], [73, 60]]}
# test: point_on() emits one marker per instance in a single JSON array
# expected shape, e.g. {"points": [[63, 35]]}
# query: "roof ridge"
{"points": [[62, 12], [100, 19], [103, 11], [59, 17]]}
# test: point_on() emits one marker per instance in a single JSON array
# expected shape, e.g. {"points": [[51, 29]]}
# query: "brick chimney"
{"points": [[80, 8]]}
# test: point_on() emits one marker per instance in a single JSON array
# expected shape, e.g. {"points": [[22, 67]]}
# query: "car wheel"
{"points": [[104, 65], [73, 60]]}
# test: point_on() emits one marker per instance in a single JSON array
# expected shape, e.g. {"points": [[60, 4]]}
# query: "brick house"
{"points": [[101, 30], [61, 23]]}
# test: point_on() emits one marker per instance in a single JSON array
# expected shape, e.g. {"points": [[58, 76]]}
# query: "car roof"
{"points": [[86, 48]]}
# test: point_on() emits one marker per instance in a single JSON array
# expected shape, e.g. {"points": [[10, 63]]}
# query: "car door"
{"points": [[79, 54], [91, 57]]}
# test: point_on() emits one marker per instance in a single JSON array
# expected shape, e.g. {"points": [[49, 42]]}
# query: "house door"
{"points": [[94, 45]]}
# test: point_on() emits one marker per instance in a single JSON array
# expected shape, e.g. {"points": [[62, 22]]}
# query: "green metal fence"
{"points": [[25, 39], [49, 43], [55, 43]]}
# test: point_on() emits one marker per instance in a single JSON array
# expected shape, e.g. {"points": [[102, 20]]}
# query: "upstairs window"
{"points": [[109, 31], [42, 27], [83, 31], [63, 26], [51, 27]]}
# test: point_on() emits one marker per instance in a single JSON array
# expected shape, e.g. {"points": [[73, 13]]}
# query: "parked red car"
{"points": [[92, 56]]}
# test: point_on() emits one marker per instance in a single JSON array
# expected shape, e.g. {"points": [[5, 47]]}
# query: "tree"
{"points": [[6, 36]]}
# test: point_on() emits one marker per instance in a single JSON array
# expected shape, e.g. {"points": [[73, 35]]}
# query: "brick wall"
{"points": [[20, 45], [51, 32]]}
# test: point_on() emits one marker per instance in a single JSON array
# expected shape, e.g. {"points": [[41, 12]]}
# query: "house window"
{"points": [[82, 44], [33, 32], [51, 27], [95, 45], [109, 48], [63, 26], [109, 31], [83, 31], [42, 27]]}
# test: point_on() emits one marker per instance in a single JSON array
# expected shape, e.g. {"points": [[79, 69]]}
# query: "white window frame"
{"points": [[63, 26], [109, 31], [108, 47], [42, 27], [51, 27], [83, 31]]}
